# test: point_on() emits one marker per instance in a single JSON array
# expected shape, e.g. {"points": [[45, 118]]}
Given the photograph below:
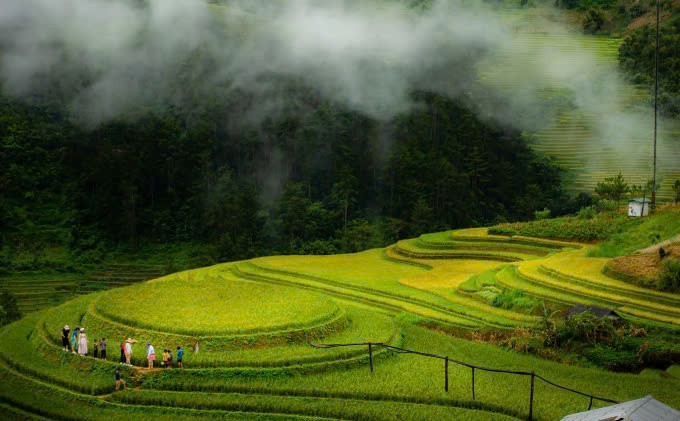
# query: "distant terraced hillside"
{"points": [[590, 145]]}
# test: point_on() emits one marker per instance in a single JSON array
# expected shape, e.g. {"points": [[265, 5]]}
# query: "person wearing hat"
{"points": [[82, 343], [150, 355], [128, 350], [65, 332]]}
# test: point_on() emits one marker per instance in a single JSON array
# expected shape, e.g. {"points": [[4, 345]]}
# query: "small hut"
{"points": [[600, 312], [643, 409], [638, 207]]}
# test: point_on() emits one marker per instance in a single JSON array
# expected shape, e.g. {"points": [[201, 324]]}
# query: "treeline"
{"points": [[319, 179], [637, 58]]}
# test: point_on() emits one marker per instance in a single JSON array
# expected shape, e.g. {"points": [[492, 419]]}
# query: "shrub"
{"points": [[593, 21], [587, 212], [513, 299], [669, 278], [9, 308], [607, 205], [585, 327], [544, 214]]}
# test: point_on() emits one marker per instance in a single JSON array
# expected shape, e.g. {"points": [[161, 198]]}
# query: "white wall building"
{"points": [[638, 207]]}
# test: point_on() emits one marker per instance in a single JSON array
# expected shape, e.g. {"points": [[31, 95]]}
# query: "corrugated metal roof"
{"points": [[643, 409], [640, 200]]}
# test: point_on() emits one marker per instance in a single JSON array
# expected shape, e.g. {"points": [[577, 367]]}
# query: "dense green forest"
{"points": [[314, 178], [321, 181]]}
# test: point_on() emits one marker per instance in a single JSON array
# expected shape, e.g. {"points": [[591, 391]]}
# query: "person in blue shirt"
{"points": [[180, 356]]}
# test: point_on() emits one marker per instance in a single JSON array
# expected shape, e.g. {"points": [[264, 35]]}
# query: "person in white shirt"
{"points": [[128, 351], [150, 354]]}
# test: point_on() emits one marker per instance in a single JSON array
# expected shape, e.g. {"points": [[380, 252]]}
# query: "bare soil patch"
{"points": [[643, 265]]}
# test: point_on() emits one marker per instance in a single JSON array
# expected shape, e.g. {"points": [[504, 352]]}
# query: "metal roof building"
{"points": [[643, 409]]}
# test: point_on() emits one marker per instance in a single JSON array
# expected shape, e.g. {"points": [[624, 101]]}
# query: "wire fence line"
{"points": [[473, 367]]}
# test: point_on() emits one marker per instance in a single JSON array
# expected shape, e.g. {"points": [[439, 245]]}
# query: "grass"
{"points": [[19, 350], [216, 305], [663, 226], [36, 399], [314, 406], [416, 379]]}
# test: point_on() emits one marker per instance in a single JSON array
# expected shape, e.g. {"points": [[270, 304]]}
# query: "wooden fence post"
{"points": [[473, 383], [531, 398], [370, 355], [446, 374]]}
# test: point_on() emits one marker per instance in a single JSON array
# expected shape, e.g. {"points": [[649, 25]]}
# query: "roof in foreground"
{"points": [[643, 409], [597, 311]]}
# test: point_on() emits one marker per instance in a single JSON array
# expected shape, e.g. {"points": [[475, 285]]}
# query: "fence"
{"points": [[448, 360]]}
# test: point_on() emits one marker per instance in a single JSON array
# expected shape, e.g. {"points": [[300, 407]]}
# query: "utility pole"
{"points": [[656, 99]]}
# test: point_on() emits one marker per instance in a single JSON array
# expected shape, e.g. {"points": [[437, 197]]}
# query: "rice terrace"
{"points": [[355, 210]]}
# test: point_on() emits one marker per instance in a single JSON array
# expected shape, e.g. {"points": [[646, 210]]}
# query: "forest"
{"points": [[315, 182]]}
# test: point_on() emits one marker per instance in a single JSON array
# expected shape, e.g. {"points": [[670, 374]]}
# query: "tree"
{"points": [[357, 236], [676, 188], [593, 21], [613, 188], [9, 308]]}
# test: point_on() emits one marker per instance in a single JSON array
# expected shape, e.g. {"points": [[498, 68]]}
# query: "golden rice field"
{"points": [[246, 327], [252, 320]]}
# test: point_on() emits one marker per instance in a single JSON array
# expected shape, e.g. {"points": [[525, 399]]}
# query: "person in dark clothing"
{"points": [[96, 348], [102, 348], [119, 381], [65, 332], [122, 352]]}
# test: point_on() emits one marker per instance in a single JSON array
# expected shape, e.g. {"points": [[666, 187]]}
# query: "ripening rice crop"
{"points": [[219, 304]]}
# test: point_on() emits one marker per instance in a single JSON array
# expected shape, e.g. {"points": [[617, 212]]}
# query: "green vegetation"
{"points": [[669, 278], [640, 234], [9, 309], [637, 59], [600, 227], [84, 212], [380, 296]]}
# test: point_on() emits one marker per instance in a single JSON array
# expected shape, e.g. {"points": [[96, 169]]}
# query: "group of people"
{"points": [[167, 357], [77, 342]]}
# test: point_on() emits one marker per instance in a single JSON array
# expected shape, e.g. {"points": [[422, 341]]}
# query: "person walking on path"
{"points": [[150, 355], [128, 350], [96, 348], [122, 352], [119, 381], [65, 336], [82, 343], [169, 363], [74, 340], [102, 348], [180, 357]]}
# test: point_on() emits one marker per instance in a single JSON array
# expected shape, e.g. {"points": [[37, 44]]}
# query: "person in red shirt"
{"points": [[122, 352]]}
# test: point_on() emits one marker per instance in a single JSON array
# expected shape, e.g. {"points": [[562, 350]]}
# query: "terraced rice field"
{"points": [[592, 141], [245, 327], [37, 291]]}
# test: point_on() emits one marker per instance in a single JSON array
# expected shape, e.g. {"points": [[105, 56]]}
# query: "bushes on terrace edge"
{"points": [[669, 278], [600, 227], [9, 308], [597, 341]]}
